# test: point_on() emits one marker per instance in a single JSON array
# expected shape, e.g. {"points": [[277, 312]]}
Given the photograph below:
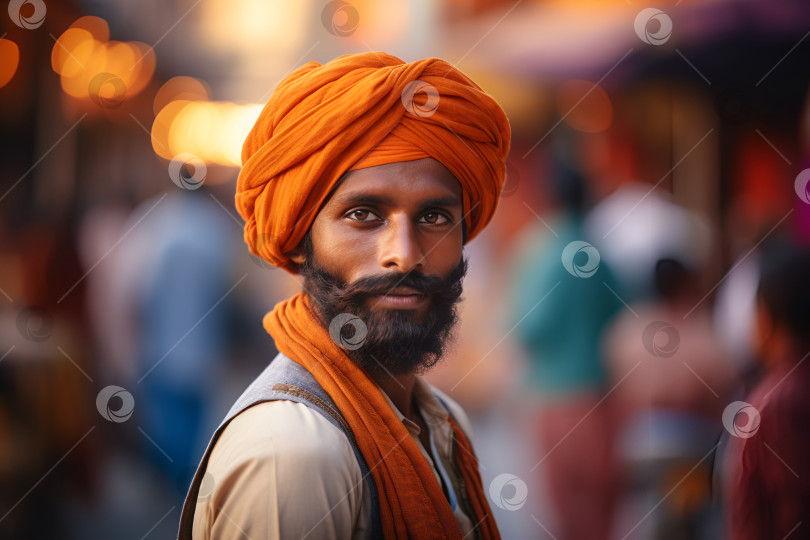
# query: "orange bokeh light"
{"points": [[9, 60], [162, 125], [585, 106], [211, 130], [180, 88], [83, 53], [96, 26]]}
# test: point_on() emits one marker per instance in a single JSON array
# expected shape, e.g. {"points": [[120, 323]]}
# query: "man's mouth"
{"points": [[400, 298]]}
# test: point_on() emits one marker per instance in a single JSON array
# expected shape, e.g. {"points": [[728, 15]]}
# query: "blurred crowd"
{"points": [[635, 326]]}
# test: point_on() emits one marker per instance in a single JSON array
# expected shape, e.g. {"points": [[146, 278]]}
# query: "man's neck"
{"points": [[399, 388]]}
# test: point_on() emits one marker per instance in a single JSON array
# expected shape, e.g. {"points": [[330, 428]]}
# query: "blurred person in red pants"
{"points": [[561, 300]]}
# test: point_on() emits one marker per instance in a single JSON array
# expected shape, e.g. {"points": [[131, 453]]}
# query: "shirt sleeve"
{"points": [[281, 470]]}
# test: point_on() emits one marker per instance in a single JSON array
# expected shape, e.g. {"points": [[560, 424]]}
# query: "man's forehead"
{"points": [[419, 179]]}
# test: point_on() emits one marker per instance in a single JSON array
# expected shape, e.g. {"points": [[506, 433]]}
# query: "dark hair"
{"points": [[784, 286], [671, 278]]}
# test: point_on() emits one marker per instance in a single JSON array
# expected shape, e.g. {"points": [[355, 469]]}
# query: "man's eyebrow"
{"points": [[451, 200], [385, 200]]}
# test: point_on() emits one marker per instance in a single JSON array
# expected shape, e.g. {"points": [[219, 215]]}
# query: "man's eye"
{"points": [[435, 218], [362, 215]]}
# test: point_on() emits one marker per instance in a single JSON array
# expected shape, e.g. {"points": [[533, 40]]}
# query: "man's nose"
{"points": [[399, 245]]}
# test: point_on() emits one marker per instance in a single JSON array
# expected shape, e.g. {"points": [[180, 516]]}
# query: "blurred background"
{"points": [[657, 149]]}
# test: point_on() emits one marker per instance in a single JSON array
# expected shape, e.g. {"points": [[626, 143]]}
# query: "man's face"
{"points": [[387, 247]]}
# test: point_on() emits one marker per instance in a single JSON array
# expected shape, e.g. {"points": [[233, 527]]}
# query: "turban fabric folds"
{"points": [[359, 111]]}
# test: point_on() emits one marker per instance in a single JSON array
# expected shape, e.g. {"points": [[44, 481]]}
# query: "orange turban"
{"points": [[358, 111]]}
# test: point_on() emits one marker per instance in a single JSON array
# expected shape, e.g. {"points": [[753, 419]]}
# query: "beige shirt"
{"points": [[281, 470]]}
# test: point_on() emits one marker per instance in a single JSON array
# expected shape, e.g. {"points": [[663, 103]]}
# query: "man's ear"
{"points": [[297, 255]]}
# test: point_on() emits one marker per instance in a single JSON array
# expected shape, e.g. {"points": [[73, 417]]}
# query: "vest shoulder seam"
{"points": [[299, 392]]}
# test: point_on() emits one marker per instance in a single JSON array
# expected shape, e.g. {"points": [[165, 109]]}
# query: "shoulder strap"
{"points": [[282, 379]]}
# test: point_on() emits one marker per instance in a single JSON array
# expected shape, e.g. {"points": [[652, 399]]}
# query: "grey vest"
{"points": [[283, 379]]}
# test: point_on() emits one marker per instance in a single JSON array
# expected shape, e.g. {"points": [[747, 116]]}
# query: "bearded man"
{"points": [[366, 175]]}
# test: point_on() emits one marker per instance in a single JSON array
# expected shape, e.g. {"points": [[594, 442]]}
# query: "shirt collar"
{"points": [[433, 412]]}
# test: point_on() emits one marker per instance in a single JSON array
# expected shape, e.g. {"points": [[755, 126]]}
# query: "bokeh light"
{"points": [[9, 60], [180, 88], [585, 106], [84, 51], [211, 130]]}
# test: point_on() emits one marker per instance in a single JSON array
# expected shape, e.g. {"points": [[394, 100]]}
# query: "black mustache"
{"points": [[378, 285], [394, 340]]}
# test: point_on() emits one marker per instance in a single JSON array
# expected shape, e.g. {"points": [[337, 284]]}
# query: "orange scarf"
{"points": [[412, 504]]}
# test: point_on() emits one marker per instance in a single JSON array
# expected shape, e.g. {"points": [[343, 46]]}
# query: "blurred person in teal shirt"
{"points": [[564, 296]]}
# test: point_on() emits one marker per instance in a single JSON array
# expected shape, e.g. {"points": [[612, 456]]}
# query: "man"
{"points": [[366, 175], [769, 489]]}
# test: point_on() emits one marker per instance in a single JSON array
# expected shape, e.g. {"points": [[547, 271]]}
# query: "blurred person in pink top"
{"points": [[672, 378]]}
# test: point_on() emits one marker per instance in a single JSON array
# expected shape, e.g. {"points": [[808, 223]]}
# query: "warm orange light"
{"points": [[162, 125], [97, 27], [177, 88], [380, 23], [144, 66], [105, 72], [585, 106], [9, 60], [91, 57], [214, 131], [71, 51]]}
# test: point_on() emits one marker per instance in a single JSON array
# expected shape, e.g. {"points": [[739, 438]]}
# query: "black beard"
{"points": [[394, 342]]}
